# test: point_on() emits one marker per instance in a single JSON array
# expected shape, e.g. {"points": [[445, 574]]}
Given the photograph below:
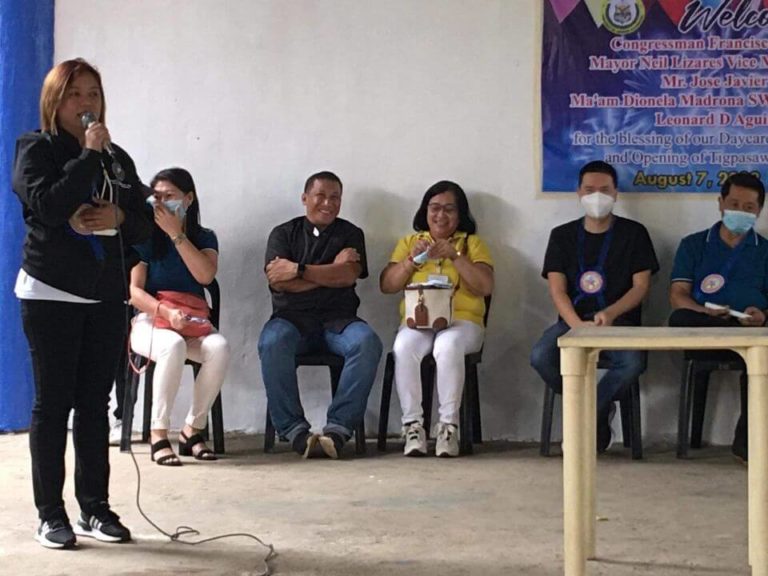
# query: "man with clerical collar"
{"points": [[720, 275], [312, 263], [598, 269]]}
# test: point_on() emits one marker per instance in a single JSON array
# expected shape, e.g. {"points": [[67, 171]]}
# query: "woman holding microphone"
{"points": [[83, 207]]}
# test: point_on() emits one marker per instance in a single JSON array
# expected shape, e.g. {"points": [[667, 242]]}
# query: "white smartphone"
{"points": [[734, 313], [105, 232]]}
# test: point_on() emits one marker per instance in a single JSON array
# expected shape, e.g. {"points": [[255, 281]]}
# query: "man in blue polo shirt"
{"points": [[725, 265]]}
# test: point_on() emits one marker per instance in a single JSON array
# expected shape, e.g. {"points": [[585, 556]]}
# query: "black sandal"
{"points": [[186, 445], [167, 460]]}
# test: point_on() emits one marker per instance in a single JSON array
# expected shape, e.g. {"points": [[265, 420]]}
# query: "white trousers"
{"points": [[169, 351], [448, 347]]}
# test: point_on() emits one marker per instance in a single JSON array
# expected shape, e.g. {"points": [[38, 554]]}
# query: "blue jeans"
{"points": [[281, 341], [626, 366]]}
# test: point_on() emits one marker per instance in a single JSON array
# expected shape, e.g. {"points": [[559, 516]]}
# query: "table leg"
{"points": [[575, 502], [590, 453], [750, 471], [757, 368]]}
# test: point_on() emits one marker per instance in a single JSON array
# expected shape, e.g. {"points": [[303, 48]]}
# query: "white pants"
{"points": [[169, 351], [448, 347]]}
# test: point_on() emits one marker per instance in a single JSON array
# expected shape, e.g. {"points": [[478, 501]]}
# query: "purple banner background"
{"points": [[670, 116]]}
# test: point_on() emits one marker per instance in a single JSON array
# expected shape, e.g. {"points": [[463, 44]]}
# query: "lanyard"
{"points": [[727, 267], [458, 246], [598, 268]]}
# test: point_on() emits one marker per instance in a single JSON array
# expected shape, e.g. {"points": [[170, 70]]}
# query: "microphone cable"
{"points": [[181, 531]]}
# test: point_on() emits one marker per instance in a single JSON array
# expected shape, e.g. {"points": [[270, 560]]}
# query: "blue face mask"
{"points": [[175, 206], [738, 222]]}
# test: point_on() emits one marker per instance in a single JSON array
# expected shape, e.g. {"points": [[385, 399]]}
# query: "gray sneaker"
{"points": [[415, 439], [447, 440], [104, 526], [56, 533], [116, 433]]}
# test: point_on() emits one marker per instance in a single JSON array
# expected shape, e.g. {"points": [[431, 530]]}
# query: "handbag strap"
{"points": [[463, 245], [139, 370]]}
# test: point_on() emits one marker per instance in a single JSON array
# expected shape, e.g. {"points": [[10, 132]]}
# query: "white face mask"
{"points": [[597, 205]]}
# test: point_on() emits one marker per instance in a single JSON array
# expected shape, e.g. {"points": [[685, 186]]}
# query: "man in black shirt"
{"points": [[599, 270], [312, 263]]}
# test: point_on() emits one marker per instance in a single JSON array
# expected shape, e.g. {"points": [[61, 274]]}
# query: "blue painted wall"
{"points": [[26, 55]]}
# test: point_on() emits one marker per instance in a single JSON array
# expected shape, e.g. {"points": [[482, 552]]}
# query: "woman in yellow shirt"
{"points": [[445, 230]]}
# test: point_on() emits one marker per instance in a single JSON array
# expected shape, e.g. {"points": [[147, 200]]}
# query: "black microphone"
{"points": [[86, 120]]}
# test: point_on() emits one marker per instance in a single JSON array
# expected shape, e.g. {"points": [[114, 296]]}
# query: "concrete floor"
{"points": [[498, 512]]}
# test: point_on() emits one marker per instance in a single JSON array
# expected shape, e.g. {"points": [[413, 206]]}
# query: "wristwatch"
{"points": [[300, 268]]}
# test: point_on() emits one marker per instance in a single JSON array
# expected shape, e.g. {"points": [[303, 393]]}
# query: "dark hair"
{"points": [[324, 175], [745, 180], [182, 179], [466, 222], [55, 86], [601, 168]]}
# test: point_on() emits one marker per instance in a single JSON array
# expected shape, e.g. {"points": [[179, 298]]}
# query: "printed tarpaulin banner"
{"points": [[673, 93]]}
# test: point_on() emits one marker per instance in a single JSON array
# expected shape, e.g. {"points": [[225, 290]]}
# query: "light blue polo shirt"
{"points": [[704, 253]]}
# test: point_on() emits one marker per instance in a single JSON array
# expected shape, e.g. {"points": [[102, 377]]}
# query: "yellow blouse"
{"points": [[466, 306]]}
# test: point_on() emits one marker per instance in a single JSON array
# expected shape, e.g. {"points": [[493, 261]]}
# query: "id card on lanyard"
{"points": [[713, 282], [591, 281]]}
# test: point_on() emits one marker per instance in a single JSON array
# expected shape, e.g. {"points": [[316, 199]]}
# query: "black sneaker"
{"points": [[739, 448], [104, 526], [332, 443], [304, 443], [604, 432], [740, 452], [56, 533]]}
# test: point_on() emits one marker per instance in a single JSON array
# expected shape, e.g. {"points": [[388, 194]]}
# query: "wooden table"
{"points": [[579, 350]]}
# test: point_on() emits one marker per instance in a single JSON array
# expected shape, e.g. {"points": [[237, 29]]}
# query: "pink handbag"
{"points": [[194, 307]]}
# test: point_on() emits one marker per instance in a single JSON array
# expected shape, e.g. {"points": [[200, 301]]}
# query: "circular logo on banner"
{"points": [[591, 282], [623, 16], [712, 283]]}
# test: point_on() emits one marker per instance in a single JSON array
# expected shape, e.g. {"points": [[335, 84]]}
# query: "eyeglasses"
{"points": [[448, 209]]}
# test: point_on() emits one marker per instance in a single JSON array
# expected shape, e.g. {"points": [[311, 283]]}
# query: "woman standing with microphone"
{"points": [[83, 208]]}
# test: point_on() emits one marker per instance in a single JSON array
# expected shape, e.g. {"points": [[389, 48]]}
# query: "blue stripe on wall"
{"points": [[26, 55]]}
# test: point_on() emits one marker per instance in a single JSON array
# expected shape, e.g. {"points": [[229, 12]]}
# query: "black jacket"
{"points": [[53, 176]]}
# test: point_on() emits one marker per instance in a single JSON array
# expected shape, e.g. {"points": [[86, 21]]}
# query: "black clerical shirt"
{"points": [[320, 308]]}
